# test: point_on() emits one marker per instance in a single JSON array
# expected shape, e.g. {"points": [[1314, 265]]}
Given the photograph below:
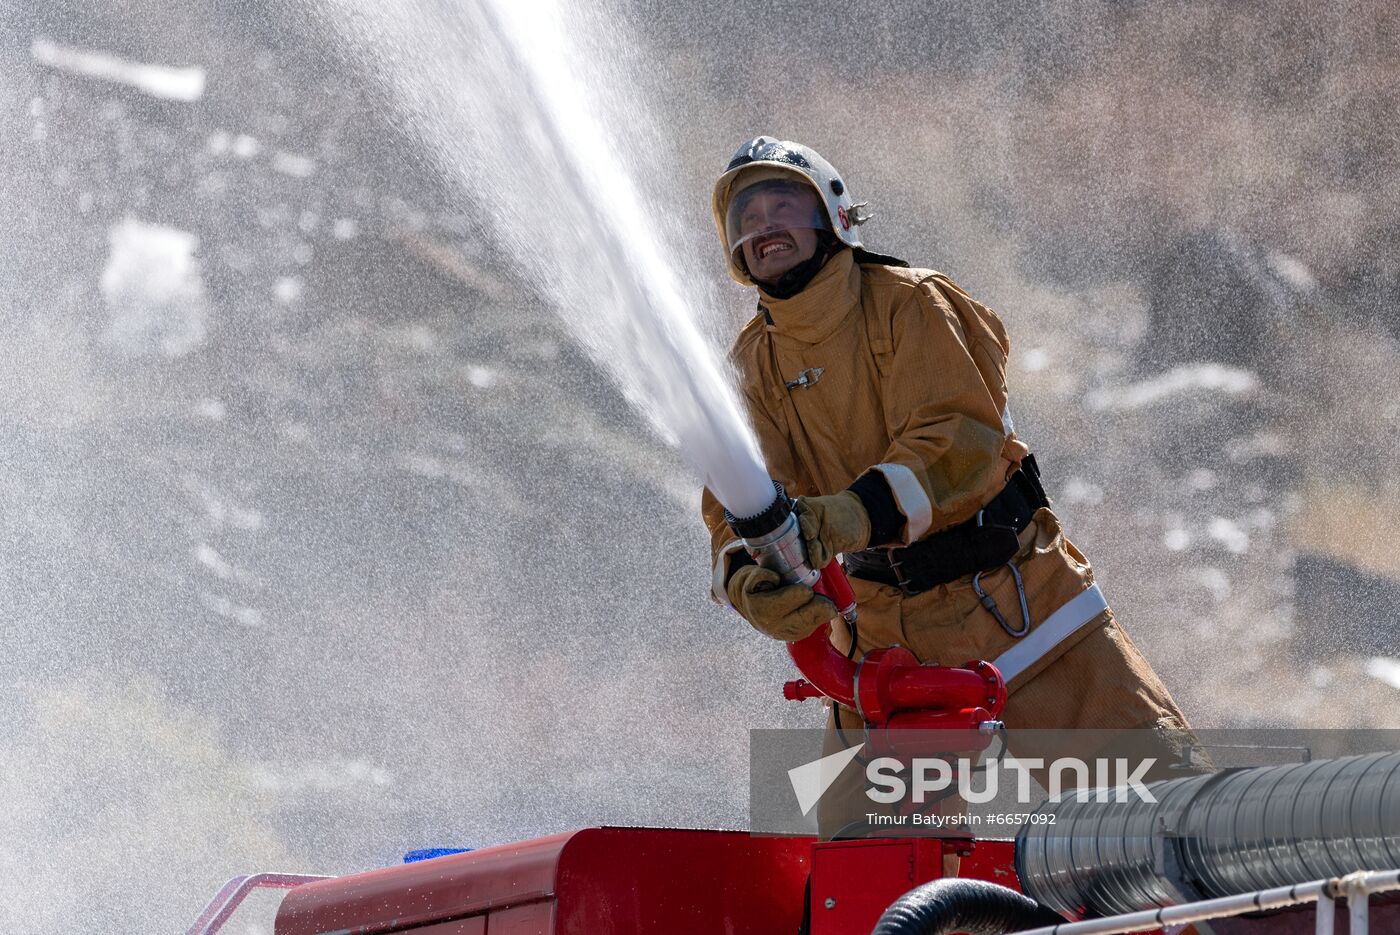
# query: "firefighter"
{"points": [[878, 394]]}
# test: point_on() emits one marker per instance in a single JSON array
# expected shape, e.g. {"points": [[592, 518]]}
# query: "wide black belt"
{"points": [[984, 542]]}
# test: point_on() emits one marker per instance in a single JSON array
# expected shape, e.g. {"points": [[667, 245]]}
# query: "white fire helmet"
{"points": [[763, 163]]}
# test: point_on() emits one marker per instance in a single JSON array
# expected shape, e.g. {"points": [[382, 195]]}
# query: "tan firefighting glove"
{"points": [[785, 613], [832, 525]]}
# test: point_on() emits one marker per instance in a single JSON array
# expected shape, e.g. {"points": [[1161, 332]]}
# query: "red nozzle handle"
{"points": [[835, 585]]}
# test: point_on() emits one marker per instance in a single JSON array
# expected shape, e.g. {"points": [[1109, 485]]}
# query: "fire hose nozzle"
{"points": [[774, 539], [888, 687]]}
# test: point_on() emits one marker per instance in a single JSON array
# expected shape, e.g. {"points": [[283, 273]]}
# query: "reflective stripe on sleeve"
{"points": [[909, 494], [722, 566], [1071, 616]]}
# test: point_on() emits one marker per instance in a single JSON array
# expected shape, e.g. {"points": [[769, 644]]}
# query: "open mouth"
{"points": [[765, 247]]}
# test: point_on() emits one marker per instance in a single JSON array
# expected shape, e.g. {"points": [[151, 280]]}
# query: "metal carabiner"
{"points": [[990, 603]]}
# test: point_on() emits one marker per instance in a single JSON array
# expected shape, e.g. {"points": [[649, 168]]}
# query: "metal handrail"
{"points": [[1355, 888], [232, 893]]}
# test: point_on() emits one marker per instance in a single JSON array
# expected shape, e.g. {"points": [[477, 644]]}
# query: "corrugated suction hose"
{"points": [[1221, 834], [972, 906]]}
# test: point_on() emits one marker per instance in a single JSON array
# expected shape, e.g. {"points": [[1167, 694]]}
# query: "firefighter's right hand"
{"points": [[784, 612]]}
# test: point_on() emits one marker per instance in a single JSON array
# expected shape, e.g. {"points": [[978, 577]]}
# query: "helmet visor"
{"points": [[772, 205]]}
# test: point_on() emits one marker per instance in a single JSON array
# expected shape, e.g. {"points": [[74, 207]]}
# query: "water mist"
{"points": [[495, 93]]}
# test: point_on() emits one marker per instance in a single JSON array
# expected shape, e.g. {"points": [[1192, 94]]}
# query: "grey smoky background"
{"points": [[321, 541]]}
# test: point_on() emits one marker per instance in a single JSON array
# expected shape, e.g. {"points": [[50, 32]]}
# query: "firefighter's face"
{"points": [[783, 216]]}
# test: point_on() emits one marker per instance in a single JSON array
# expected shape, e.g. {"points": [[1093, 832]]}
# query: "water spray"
{"points": [[541, 151]]}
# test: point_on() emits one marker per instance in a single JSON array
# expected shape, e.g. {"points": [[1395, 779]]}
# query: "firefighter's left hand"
{"points": [[832, 525]]}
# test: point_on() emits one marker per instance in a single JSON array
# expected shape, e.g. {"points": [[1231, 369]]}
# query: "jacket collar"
{"points": [[815, 312]]}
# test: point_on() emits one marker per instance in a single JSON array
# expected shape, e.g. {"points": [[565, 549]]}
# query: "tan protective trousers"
{"points": [[1095, 679]]}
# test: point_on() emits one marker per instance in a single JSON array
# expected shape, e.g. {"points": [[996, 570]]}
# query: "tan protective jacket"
{"points": [[903, 373], [897, 369]]}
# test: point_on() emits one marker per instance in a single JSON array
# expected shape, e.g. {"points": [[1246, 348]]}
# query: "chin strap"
{"points": [[796, 279]]}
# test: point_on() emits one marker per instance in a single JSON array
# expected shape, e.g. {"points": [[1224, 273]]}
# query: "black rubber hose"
{"points": [[972, 906]]}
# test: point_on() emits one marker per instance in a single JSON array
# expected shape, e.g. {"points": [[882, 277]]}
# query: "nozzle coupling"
{"points": [[774, 540]]}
